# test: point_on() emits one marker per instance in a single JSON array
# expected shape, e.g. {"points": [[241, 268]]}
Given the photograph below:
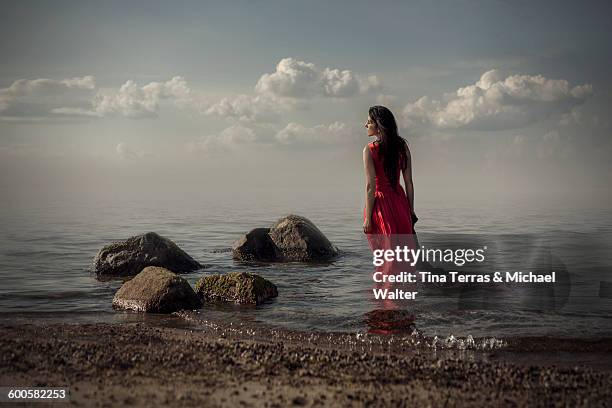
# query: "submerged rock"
{"points": [[156, 290], [292, 238], [129, 257], [236, 287]]}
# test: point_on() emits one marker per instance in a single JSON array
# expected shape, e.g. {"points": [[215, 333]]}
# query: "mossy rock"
{"points": [[129, 257], [235, 287], [156, 290]]}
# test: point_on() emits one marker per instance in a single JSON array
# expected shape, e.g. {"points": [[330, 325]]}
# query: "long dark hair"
{"points": [[393, 147]]}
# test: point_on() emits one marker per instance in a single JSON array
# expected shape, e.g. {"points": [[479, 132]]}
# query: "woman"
{"points": [[388, 211]]}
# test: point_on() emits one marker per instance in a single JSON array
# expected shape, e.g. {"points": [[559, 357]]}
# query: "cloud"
{"points": [[495, 102], [229, 138], [336, 132], [247, 108], [78, 97], [387, 100], [573, 117], [41, 98], [237, 135], [24, 87], [299, 79], [137, 102], [288, 88], [370, 84], [126, 151], [76, 112]]}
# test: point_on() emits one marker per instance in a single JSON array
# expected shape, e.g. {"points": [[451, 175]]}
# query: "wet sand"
{"points": [[139, 364]]}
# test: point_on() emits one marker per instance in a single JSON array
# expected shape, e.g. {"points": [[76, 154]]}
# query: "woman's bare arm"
{"points": [[407, 173], [370, 177]]}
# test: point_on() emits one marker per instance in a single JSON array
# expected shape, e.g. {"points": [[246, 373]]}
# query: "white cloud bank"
{"points": [[336, 132], [238, 135], [134, 101], [48, 98], [299, 79], [289, 87], [227, 139], [43, 97], [249, 108], [496, 102], [128, 152]]}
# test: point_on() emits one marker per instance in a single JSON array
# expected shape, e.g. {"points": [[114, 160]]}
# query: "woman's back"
{"points": [[382, 181]]}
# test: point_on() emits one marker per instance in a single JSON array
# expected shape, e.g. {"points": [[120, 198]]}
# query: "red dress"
{"points": [[391, 214], [391, 226]]}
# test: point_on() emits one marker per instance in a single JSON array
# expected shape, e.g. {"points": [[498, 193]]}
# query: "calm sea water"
{"points": [[46, 254]]}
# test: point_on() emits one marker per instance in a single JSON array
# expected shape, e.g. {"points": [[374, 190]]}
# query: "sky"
{"points": [[261, 100]]}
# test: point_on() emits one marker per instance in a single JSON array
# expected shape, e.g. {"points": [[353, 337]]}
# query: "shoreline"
{"points": [[143, 363]]}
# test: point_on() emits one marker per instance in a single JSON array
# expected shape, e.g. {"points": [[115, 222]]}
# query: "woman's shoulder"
{"points": [[370, 147], [370, 150]]}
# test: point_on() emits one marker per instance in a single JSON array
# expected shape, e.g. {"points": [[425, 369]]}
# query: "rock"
{"points": [[129, 257], [156, 290], [300, 240], [256, 245], [236, 287], [292, 238]]}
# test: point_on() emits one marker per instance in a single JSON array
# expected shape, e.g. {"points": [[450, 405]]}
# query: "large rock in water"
{"points": [[256, 245], [292, 238], [129, 257], [236, 287], [156, 290]]}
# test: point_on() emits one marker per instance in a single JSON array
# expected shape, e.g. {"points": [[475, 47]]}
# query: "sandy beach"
{"points": [[137, 364]]}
